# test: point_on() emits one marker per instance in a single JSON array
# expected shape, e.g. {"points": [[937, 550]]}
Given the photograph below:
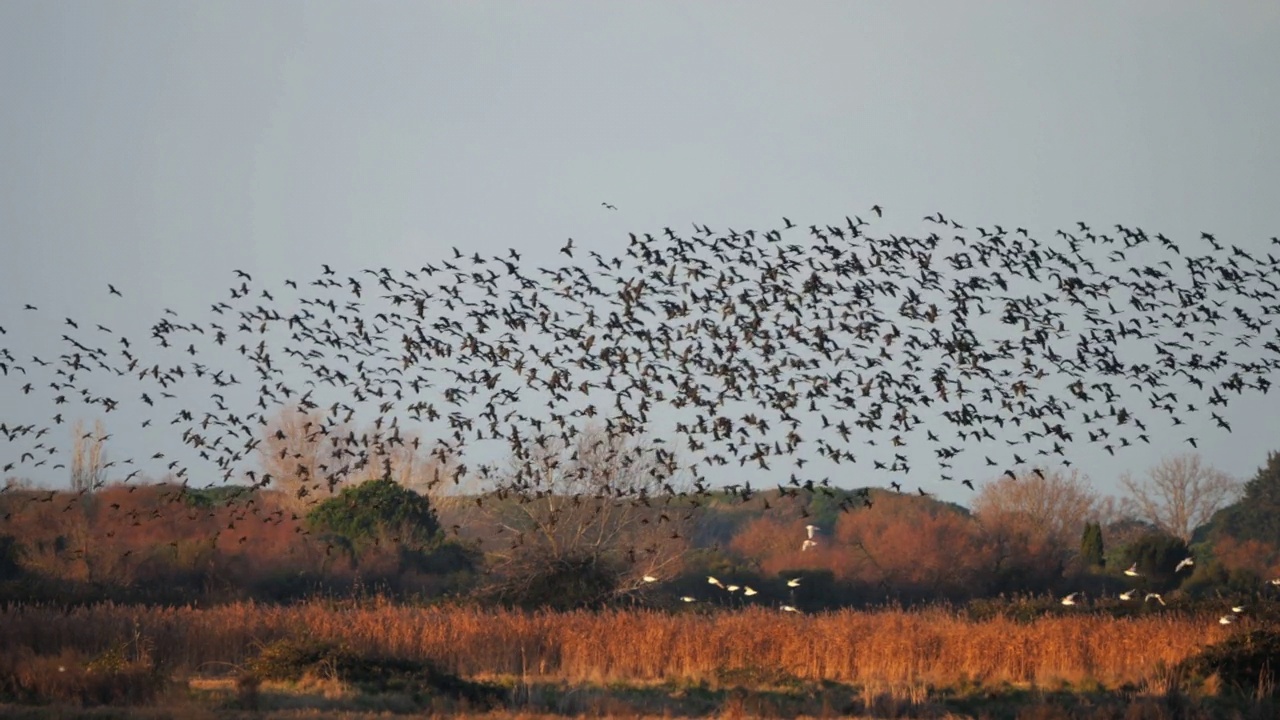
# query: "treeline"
{"points": [[1039, 534]]}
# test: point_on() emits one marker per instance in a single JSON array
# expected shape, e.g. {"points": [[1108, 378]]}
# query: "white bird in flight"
{"points": [[711, 580], [1226, 620], [1154, 595], [1186, 562], [748, 591], [649, 579], [793, 582], [1070, 599], [1132, 571], [788, 608], [1127, 595]]}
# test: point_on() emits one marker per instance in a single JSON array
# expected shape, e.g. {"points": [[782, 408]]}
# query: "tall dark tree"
{"points": [[1091, 549], [1256, 516]]}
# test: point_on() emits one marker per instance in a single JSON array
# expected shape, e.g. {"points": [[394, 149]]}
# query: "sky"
{"points": [[158, 146]]}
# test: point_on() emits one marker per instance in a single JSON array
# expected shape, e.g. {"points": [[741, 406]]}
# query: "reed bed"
{"points": [[934, 647]]}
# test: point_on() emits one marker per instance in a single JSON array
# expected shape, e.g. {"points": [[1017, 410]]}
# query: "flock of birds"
{"points": [[742, 354]]}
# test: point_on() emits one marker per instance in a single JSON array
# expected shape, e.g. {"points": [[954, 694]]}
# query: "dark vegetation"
{"points": [[168, 544]]}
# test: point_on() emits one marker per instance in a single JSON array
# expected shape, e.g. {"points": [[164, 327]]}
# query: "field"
{"points": [[357, 659]]}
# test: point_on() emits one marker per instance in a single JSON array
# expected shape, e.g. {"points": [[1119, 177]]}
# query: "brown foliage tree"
{"points": [[1044, 511]]}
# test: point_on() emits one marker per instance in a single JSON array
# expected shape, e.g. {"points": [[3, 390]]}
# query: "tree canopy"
{"points": [[377, 508]]}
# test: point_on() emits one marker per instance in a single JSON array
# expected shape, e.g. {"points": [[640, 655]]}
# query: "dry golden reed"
{"points": [[936, 647]]}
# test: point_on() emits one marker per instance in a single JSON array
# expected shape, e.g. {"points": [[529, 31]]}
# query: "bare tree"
{"points": [[1180, 494], [404, 459], [88, 456], [603, 514], [298, 454], [308, 456]]}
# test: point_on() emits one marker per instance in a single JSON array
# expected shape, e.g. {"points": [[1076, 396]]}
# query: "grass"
{"points": [[380, 658]]}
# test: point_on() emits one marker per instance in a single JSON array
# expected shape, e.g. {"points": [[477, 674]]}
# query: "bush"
{"points": [[1246, 663], [292, 660], [109, 679], [564, 584]]}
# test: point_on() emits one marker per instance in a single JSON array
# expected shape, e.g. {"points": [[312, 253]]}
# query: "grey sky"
{"points": [[159, 145]]}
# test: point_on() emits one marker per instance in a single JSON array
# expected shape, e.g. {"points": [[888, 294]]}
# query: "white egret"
{"points": [[1185, 562], [1155, 596], [1128, 595], [1132, 571], [1070, 599], [793, 582]]}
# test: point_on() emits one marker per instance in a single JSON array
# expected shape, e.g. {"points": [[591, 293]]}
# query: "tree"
{"points": [[376, 509], [1157, 555], [1180, 494], [1091, 550], [1256, 516], [601, 512], [88, 456], [296, 452], [1051, 505], [306, 455]]}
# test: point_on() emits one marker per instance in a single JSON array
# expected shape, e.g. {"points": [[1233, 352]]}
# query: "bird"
{"points": [[713, 581], [1226, 620], [1127, 595], [649, 579], [608, 206], [1154, 596], [688, 599], [1132, 571], [111, 289], [746, 590], [795, 582], [1185, 562], [1070, 599], [790, 608]]}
